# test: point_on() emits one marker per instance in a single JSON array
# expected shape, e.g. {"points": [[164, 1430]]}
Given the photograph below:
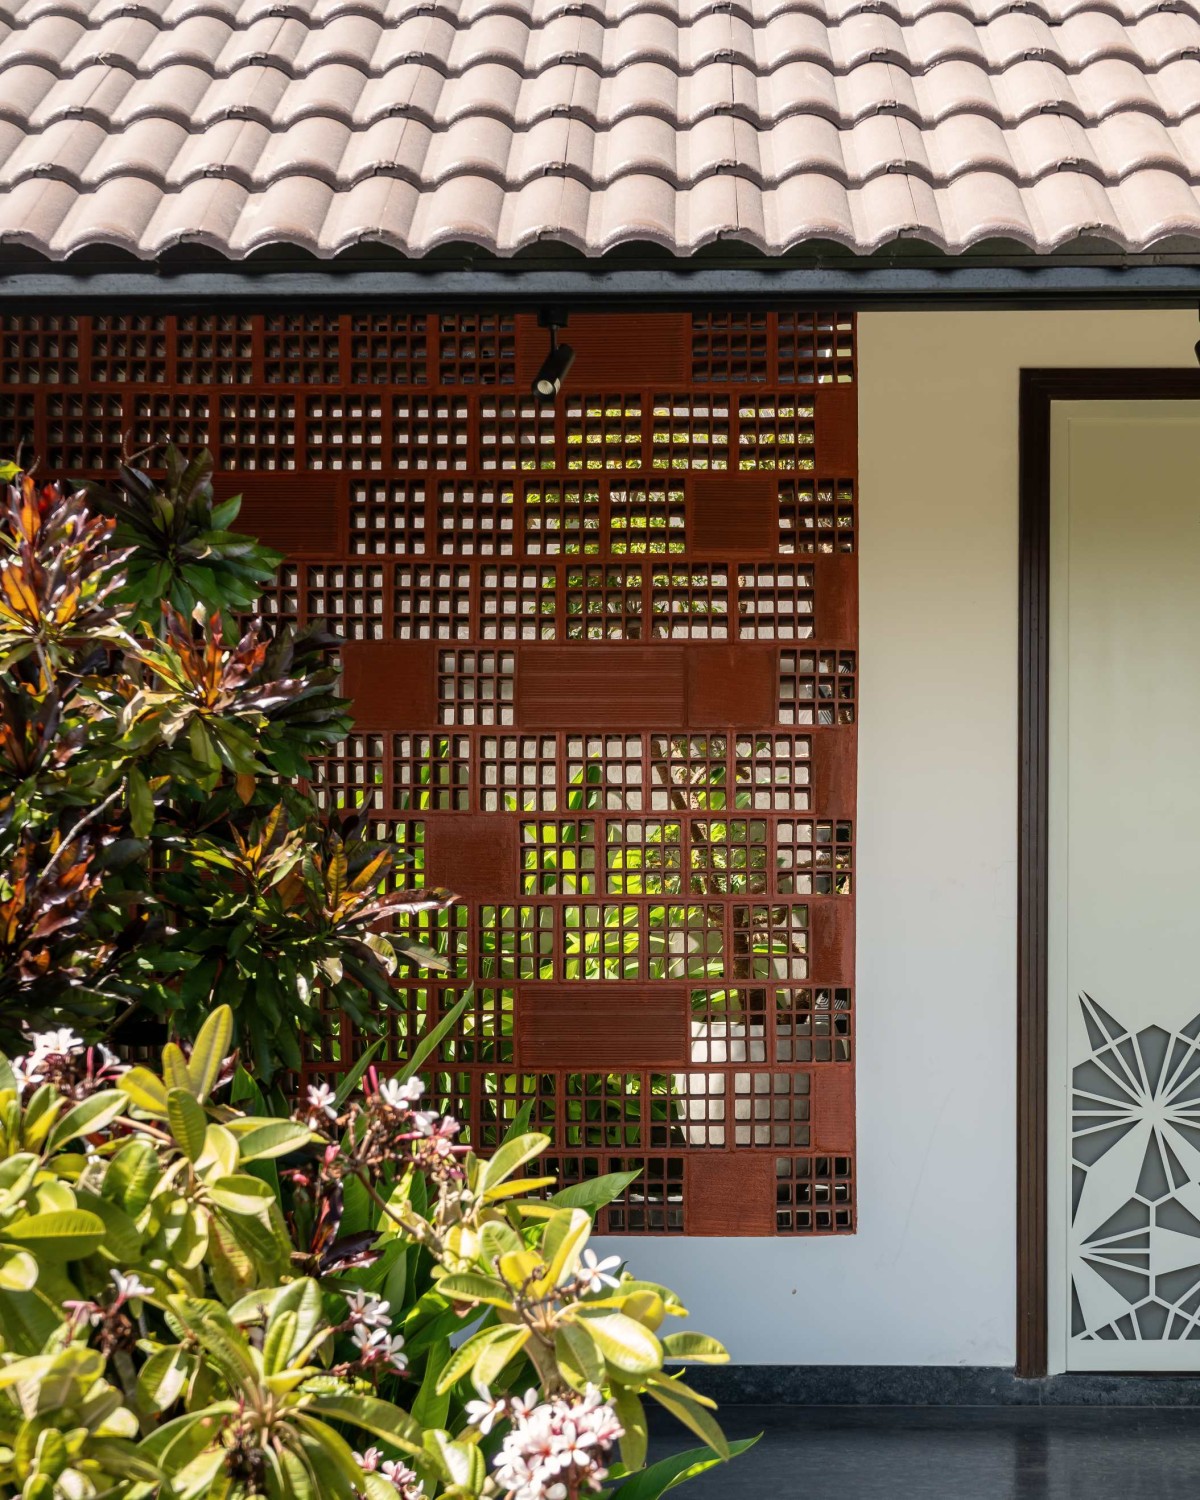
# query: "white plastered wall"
{"points": [[929, 1277]]}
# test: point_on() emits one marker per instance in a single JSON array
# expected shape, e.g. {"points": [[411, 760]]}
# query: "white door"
{"points": [[1125, 886]]}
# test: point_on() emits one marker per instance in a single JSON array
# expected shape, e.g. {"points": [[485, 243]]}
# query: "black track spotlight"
{"points": [[549, 379]]}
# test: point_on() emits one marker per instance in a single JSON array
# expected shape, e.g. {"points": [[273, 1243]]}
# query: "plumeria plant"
{"points": [[201, 1300]]}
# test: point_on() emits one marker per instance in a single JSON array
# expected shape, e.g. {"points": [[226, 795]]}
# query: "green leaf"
{"points": [[141, 804], [510, 1158], [210, 1051], [352, 1079], [163, 1377], [244, 1091], [123, 1460], [491, 1363], [468, 1287], [578, 1358], [697, 1347], [147, 1092], [122, 1240], [432, 1406], [520, 1122], [497, 1238], [596, 1193], [188, 1123], [224, 514], [175, 1068], [279, 1138], [131, 1177], [461, 1463], [210, 1324], [432, 1040], [650, 1483], [626, 1345], [241, 1194], [256, 1305], [18, 1271], [330, 1458], [562, 1244], [277, 1346], [200, 1477], [368, 1413], [701, 1422], [291, 1475], [41, 1112], [632, 1418], [62, 1234], [89, 1115], [303, 1298], [463, 1358]]}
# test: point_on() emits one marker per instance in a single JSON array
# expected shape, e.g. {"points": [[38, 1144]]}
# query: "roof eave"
{"points": [[907, 273]]}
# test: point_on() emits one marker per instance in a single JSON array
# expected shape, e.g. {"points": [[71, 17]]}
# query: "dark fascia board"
{"points": [[907, 275]]}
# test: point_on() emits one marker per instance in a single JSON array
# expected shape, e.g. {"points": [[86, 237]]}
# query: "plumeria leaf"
{"points": [[209, 1052], [379, 1418], [650, 1483], [666, 1393], [467, 1287], [635, 1439], [64, 1234], [696, 1347], [578, 1357], [510, 1158], [596, 1192], [89, 1115], [188, 1122], [626, 1345], [274, 1139], [147, 1092]]}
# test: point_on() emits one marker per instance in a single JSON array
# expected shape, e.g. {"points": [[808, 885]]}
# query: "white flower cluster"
{"points": [[322, 1104], [127, 1286], [371, 1319], [594, 1275], [436, 1132], [401, 1096], [44, 1045], [401, 1476], [555, 1449]]}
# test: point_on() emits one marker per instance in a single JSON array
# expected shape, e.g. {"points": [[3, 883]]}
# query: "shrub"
{"points": [[159, 855], [198, 1301]]}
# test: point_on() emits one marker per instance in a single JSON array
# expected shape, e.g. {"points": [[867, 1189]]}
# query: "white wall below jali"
{"points": [[929, 1277]]}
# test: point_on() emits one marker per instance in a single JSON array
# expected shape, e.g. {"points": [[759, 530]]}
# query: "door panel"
{"points": [[1125, 858]]}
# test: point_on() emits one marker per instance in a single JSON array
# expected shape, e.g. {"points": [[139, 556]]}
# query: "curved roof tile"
{"points": [[416, 123]]}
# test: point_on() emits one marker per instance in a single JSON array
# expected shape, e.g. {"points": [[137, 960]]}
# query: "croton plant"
{"points": [[160, 849]]}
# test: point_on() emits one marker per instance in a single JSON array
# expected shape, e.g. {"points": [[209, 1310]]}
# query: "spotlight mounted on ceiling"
{"points": [[549, 379]]}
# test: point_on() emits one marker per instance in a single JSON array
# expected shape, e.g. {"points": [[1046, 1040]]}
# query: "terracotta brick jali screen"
{"points": [[603, 659]]}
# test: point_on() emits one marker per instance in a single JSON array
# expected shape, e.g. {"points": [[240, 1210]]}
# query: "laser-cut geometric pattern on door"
{"points": [[604, 658], [1136, 1181]]}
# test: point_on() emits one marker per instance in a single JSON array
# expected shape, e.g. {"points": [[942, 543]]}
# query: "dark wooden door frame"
{"points": [[1039, 390]]}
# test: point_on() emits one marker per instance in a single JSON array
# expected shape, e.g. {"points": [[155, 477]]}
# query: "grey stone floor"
{"points": [[956, 1453]]}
